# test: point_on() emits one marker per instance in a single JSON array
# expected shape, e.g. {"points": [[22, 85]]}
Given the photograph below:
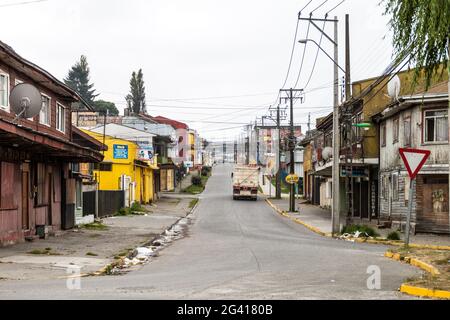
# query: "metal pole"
{"points": [[335, 215], [410, 203], [291, 150], [348, 89]]}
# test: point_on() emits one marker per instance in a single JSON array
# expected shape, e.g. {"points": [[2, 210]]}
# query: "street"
{"points": [[238, 250]]}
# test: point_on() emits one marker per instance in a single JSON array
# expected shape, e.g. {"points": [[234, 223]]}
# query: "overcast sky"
{"points": [[212, 64]]}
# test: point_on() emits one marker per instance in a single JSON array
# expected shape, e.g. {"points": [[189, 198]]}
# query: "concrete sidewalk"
{"points": [[320, 219], [91, 249]]}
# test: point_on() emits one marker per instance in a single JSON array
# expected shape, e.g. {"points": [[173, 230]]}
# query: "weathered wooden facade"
{"points": [[38, 189], [418, 121]]}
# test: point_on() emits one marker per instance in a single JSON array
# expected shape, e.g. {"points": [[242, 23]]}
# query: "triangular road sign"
{"points": [[414, 160]]}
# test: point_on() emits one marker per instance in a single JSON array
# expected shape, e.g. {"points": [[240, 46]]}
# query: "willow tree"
{"points": [[423, 25]]}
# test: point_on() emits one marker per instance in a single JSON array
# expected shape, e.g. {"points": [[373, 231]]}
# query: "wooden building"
{"points": [[37, 185], [418, 121]]}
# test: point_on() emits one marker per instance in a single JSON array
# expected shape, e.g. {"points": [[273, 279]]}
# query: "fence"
{"points": [[109, 202]]}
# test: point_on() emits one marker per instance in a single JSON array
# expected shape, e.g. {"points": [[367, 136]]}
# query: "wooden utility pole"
{"points": [[292, 139]]}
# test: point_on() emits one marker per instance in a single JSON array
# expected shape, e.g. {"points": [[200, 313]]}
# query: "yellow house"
{"points": [[121, 169]]}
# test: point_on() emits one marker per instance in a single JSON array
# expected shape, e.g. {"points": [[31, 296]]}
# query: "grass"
{"points": [[193, 189], [193, 203], [361, 228], [95, 226], [46, 251], [393, 236], [135, 209], [91, 254], [437, 258]]}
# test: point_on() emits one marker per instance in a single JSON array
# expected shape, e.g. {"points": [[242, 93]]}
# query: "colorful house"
{"points": [[128, 166]]}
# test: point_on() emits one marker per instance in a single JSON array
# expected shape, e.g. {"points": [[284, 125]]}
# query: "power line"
{"points": [[303, 57], [21, 3], [318, 7], [335, 7]]}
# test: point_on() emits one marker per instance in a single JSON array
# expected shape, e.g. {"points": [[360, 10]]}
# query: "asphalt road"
{"points": [[239, 250]]}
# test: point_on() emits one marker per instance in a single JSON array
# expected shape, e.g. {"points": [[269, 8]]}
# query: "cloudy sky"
{"points": [[215, 65]]}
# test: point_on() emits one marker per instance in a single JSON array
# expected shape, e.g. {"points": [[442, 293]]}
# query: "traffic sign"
{"points": [[292, 179], [414, 159]]}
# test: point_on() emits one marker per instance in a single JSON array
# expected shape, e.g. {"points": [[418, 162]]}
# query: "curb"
{"points": [[359, 240], [424, 292], [419, 291], [297, 220], [414, 262]]}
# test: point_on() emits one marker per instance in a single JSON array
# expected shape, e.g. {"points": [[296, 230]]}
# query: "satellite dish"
{"points": [[327, 153], [394, 87], [25, 100]]}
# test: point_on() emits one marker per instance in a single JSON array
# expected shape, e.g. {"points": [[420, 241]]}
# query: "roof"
{"points": [[406, 102], [13, 59], [173, 123], [83, 139]]}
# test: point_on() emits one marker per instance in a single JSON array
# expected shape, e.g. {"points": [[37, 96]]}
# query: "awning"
{"points": [[35, 145]]}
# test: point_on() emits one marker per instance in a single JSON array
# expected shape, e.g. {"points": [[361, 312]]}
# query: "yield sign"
{"points": [[414, 159]]}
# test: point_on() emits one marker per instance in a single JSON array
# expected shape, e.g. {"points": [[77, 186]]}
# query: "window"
{"points": [[383, 135], [103, 166], [4, 91], [436, 126], [44, 115], [60, 118], [394, 185], [396, 129], [407, 130]]}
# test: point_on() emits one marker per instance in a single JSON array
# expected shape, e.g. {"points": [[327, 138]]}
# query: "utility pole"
{"points": [[292, 139], [278, 174], [335, 216]]}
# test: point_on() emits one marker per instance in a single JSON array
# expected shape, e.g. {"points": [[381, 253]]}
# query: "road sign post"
{"points": [[414, 159]]}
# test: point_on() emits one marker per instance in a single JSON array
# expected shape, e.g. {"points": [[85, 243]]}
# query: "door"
{"points": [[25, 200], [434, 217]]}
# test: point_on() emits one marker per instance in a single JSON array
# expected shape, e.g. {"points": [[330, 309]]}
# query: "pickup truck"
{"points": [[245, 182]]}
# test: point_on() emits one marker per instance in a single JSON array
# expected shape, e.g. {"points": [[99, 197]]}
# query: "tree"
{"points": [[105, 106], [424, 26], [78, 79], [136, 98]]}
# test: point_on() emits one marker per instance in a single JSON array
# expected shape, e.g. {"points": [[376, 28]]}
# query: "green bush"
{"points": [[197, 181], [206, 171], [393, 236], [361, 228], [137, 207]]}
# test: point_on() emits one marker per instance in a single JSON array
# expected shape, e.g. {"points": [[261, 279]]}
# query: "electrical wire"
{"points": [[303, 57], [318, 7], [21, 3], [335, 7]]}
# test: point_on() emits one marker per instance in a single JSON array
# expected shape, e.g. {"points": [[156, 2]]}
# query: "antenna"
{"points": [[394, 87], [25, 100]]}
